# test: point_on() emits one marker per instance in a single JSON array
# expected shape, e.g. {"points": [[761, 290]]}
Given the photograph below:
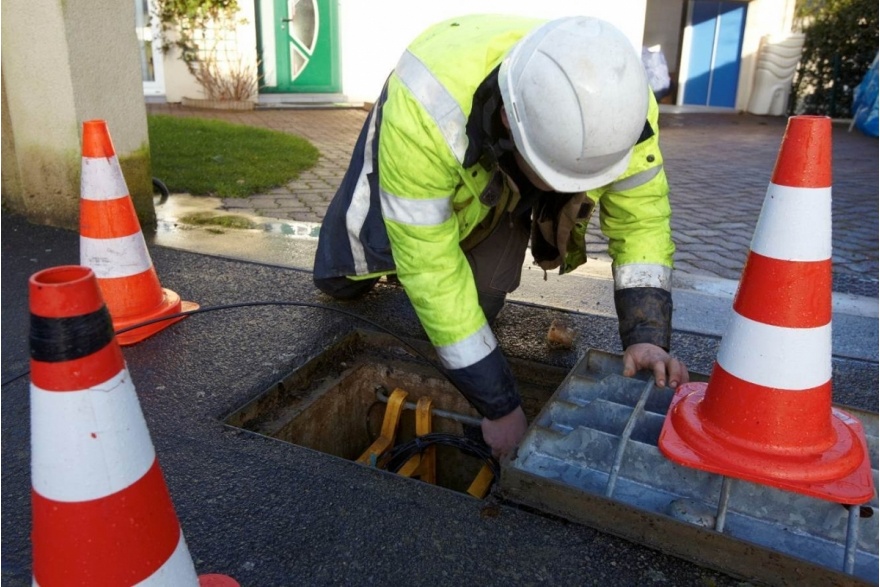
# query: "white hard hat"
{"points": [[576, 97]]}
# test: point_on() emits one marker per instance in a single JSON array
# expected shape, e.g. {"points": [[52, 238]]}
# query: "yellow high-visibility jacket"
{"points": [[412, 196]]}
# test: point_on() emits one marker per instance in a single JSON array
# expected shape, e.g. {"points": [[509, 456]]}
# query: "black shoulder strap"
{"points": [[647, 133]]}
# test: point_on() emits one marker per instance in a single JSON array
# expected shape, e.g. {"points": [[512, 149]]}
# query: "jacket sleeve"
{"points": [[418, 176], [635, 216]]}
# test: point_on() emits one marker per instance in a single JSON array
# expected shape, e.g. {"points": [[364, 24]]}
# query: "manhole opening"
{"points": [[336, 402]]}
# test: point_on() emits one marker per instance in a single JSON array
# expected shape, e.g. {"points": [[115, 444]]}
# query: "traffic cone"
{"points": [[102, 514], [113, 246], [765, 414]]}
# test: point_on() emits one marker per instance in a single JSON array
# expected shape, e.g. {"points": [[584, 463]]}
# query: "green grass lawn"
{"points": [[214, 158]]}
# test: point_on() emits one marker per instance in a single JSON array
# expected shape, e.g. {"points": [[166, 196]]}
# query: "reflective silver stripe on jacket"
{"points": [[430, 212], [634, 181], [642, 275], [436, 101], [357, 211], [469, 351]]}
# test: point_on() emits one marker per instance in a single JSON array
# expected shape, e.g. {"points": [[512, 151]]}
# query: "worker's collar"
{"points": [[488, 140]]}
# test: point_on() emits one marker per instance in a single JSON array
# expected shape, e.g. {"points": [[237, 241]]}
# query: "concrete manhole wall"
{"points": [[336, 402]]}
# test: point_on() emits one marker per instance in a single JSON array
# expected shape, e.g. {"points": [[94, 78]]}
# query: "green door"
{"points": [[299, 46]]}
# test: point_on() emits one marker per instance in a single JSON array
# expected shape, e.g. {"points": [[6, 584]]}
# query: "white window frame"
{"points": [[156, 86]]}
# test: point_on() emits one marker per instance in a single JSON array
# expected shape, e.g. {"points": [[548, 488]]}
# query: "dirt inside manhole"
{"points": [[336, 403]]}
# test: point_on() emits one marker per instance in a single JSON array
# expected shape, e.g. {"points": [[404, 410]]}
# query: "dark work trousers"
{"points": [[496, 263]]}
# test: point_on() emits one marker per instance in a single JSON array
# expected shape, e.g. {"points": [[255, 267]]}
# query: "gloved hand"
{"points": [[645, 355], [504, 434]]}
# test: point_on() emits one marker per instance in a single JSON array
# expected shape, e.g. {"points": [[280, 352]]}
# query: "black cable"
{"points": [[258, 304], [399, 455], [158, 184]]}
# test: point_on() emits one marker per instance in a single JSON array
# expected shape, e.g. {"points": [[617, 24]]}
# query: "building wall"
{"points": [[763, 17], [63, 64], [374, 34], [386, 27], [179, 83], [663, 22]]}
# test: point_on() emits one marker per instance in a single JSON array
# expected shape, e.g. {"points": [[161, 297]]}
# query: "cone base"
{"points": [[217, 580], [171, 304], [841, 474]]}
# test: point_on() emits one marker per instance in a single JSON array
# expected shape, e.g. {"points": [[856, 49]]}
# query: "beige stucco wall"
{"points": [[10, 179], [64, 63]]}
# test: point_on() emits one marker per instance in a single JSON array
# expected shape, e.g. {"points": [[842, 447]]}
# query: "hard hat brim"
{"points": [[572, 184]]}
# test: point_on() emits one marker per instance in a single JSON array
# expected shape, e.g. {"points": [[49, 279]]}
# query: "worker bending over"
{"points": [[493, 132]]}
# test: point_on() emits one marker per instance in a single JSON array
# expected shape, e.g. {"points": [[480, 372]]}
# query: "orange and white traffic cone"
{"points": [[112, 243], [102, 514], [766, 413]]}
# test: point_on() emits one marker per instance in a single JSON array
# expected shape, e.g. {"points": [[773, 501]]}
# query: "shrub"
{"points": [[204, 32], [840, 44]]}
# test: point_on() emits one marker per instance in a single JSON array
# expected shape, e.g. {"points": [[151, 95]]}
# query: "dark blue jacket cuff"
{"points": [[488, 385]]}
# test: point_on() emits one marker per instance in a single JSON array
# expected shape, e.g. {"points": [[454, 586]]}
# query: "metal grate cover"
{"points": [[591, 456]]}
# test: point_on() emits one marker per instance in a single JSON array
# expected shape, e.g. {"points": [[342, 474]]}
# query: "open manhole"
{"points": [[336, 403], [590, 455]]}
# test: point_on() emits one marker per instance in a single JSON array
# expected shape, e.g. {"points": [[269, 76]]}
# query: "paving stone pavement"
{"points": [[718, 165]]}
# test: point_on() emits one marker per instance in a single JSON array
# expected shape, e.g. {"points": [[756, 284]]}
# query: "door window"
{"points": [[299, 50]]}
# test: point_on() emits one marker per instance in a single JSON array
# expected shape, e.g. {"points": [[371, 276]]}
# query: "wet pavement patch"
{"points": [[214, 220]]}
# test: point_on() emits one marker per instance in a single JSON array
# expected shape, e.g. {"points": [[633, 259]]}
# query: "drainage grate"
{"points": [[591, 456]]}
